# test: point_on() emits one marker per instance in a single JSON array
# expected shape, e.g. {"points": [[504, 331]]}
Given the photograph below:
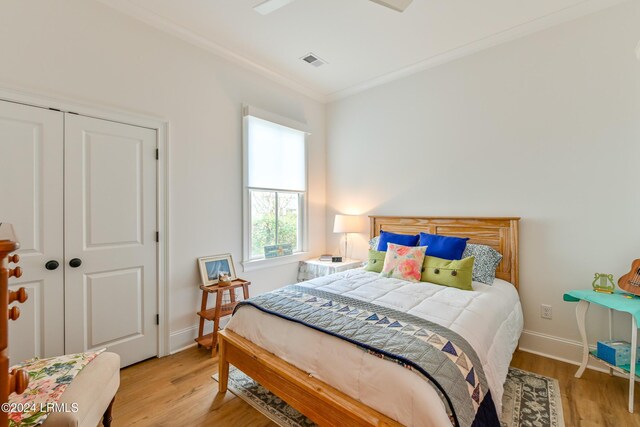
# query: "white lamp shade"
{"points": [[348, 224]]}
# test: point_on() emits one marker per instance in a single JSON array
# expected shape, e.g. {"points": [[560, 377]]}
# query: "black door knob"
{"points": [[51, 265], [75, 263]]}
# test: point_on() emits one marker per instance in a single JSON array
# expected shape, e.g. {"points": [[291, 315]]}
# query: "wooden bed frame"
{"points": [[319, 401]]}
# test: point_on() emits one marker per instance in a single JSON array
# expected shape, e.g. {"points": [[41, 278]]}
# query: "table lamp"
{"points": [[347, 224]]}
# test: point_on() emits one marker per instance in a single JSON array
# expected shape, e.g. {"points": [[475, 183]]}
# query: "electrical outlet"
{"points": [[546, 311]]}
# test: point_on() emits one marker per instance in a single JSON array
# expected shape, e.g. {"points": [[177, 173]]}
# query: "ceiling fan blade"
{"points": [[269, 6], [399, 5]]}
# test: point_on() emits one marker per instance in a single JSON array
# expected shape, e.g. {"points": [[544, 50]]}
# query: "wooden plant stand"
{"points": [[218, 311]]}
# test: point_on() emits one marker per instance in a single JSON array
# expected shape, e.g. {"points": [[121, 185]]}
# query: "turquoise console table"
{"points": [[616, 301]]}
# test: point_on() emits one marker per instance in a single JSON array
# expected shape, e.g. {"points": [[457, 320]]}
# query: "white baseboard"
{"points": [[185, 338], [182, 339], [558, 348]]}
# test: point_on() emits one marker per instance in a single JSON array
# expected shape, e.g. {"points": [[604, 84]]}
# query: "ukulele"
{"points": [[630, 282]]}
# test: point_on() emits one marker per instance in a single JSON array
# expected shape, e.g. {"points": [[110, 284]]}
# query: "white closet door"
{"points": [[31, 198], [110, 227]]}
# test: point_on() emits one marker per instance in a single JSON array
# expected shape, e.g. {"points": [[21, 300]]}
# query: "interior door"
{"points": [[110, 238], [31, 198]]}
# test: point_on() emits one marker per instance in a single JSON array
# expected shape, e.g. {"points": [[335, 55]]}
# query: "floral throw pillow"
{"points": [[403, 262]]}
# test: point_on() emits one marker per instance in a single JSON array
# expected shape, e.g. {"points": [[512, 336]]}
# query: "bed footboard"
{"points": [[320, 402]]}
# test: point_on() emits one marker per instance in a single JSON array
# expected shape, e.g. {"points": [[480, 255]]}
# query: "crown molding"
{"points": [[570, 13], [161, 23], [564, 15]]}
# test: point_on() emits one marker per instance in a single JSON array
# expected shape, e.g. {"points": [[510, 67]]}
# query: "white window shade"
{"points": [[276, 156]]}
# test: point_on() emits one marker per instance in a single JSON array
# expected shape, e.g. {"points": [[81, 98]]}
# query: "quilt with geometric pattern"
{"points": [[440, 356]]}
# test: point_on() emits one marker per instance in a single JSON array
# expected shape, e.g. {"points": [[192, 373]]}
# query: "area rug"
{"points": [[529, 400]]}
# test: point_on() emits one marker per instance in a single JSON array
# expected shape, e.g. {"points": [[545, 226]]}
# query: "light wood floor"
{"points": [[178, 391]]}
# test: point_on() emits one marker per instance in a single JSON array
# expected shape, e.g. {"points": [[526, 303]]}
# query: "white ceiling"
{"points": [[364, 44]]}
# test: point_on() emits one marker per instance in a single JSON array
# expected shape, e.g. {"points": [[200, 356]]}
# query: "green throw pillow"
{"points": [[376, 261], [456, 273]]}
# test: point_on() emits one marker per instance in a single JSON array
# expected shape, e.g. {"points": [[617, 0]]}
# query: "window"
{"points": [[275, 177]]}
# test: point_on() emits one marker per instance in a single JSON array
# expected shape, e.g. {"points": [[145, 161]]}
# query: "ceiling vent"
{"points": [[313, 59]]}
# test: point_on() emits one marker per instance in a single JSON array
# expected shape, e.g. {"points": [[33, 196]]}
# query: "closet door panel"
{"points": [[110, 226], [31, 173]]}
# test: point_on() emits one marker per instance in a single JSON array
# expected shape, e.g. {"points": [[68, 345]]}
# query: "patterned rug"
{"points": [[529, 400]]}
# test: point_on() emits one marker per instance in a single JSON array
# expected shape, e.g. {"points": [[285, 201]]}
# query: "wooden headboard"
{"points": [[499, 233]]}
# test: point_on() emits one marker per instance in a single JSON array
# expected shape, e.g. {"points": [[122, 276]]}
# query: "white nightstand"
{"points": [[312, 268]]}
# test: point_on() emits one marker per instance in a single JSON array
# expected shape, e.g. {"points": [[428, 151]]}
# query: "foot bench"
{"points": [[93, 390]]}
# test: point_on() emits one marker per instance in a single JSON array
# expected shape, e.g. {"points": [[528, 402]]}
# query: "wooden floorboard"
{"points": [[596, 399], [178, 391]]}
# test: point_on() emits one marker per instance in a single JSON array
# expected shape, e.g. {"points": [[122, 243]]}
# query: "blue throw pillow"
{"points": [[398, 239], [444, 247]]}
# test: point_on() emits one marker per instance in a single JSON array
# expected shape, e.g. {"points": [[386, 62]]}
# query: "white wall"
{"points": [[546, 127], [84, 51]]}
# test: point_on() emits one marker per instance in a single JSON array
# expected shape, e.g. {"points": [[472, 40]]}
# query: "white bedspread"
{"points": [[489, 318]]}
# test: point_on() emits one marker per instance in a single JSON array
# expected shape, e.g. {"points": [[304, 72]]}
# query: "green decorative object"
{"points": [[600, 283], [274, 251], [456, 273], [376, 261]]}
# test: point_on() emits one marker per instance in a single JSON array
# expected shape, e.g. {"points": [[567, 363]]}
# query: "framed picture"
{"points": [[212, 266]]}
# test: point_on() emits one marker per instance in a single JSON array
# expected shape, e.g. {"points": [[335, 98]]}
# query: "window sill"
{"points": [[259, 264]]}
